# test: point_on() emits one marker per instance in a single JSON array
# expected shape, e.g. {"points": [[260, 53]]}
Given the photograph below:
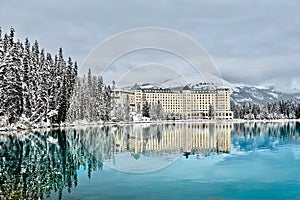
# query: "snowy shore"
{"points": [[84, 123]]}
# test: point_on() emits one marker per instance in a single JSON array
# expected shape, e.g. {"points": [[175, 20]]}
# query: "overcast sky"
{"points": [[251, 41]]}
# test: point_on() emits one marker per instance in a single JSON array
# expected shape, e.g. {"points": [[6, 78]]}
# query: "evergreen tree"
{"points": [[156, 111], [5, 43], [13, 101], [26, 79], [11, 36], [211, 112], [256, 111], [107, 103], [70, 80], [298, 111], [126, 109], [41, 104], [3, 69], [34, 74], [62, 105], [146, 109], [99, 107]]}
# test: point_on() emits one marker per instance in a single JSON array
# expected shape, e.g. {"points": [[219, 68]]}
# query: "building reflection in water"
{"points": [[185, 138]]}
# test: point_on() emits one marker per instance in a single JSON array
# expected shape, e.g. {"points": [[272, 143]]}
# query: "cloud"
{"points": [[134, 66], [250, 41]]}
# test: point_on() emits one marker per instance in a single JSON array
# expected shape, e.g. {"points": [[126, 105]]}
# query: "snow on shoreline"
{"points": [[21, 127]]}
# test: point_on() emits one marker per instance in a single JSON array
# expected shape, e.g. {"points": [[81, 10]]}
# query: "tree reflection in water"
{"points": [[34, 164]]}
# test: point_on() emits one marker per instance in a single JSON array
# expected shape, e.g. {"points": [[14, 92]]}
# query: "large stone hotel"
{"points": [[205, 101]]}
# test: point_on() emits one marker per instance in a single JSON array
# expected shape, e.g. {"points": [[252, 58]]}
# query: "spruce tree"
{"points": [[26, 79], [13, 84], [211, 112], [62, 105], [107, 103], [146, 109], [2, 76]]}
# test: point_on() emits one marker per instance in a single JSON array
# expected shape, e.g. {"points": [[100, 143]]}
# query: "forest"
{"points": [[284, 109], [38, 88], [35, 85]]}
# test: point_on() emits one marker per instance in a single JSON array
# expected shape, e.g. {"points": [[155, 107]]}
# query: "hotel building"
{"points": [[200, 102]]}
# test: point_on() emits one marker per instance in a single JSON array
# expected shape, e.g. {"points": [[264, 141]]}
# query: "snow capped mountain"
{"points": [[241, 93]]}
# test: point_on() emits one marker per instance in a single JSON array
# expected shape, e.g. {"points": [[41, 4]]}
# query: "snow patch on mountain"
{"points": [[260, 95], [240, 93], [244, 100], [274, 94]]}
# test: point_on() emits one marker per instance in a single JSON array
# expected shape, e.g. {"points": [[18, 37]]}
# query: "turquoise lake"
{"points": [[153, 161]]}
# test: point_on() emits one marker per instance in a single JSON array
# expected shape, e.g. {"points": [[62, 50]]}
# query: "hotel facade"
{"points": [[200, 102]]}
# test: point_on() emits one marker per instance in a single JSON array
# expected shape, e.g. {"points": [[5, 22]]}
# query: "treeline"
{"points": [[91, 100], [35, 86], [285, 109], [154, 111]]}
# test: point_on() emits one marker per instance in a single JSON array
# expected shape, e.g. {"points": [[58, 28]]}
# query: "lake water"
{"points": [[150, 161]]}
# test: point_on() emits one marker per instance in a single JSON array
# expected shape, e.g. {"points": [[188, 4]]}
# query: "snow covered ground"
{"points": [[84, 123]]}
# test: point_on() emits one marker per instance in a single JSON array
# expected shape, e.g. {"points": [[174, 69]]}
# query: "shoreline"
{"points": [[22, 127]]}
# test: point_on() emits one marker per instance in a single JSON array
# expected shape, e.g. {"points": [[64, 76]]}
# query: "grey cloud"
{"points": [[251, 41]]}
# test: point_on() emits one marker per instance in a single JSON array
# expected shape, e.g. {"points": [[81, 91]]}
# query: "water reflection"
{"points": [[150, 147], [157, 140], [255, 136], [35, 164]]}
